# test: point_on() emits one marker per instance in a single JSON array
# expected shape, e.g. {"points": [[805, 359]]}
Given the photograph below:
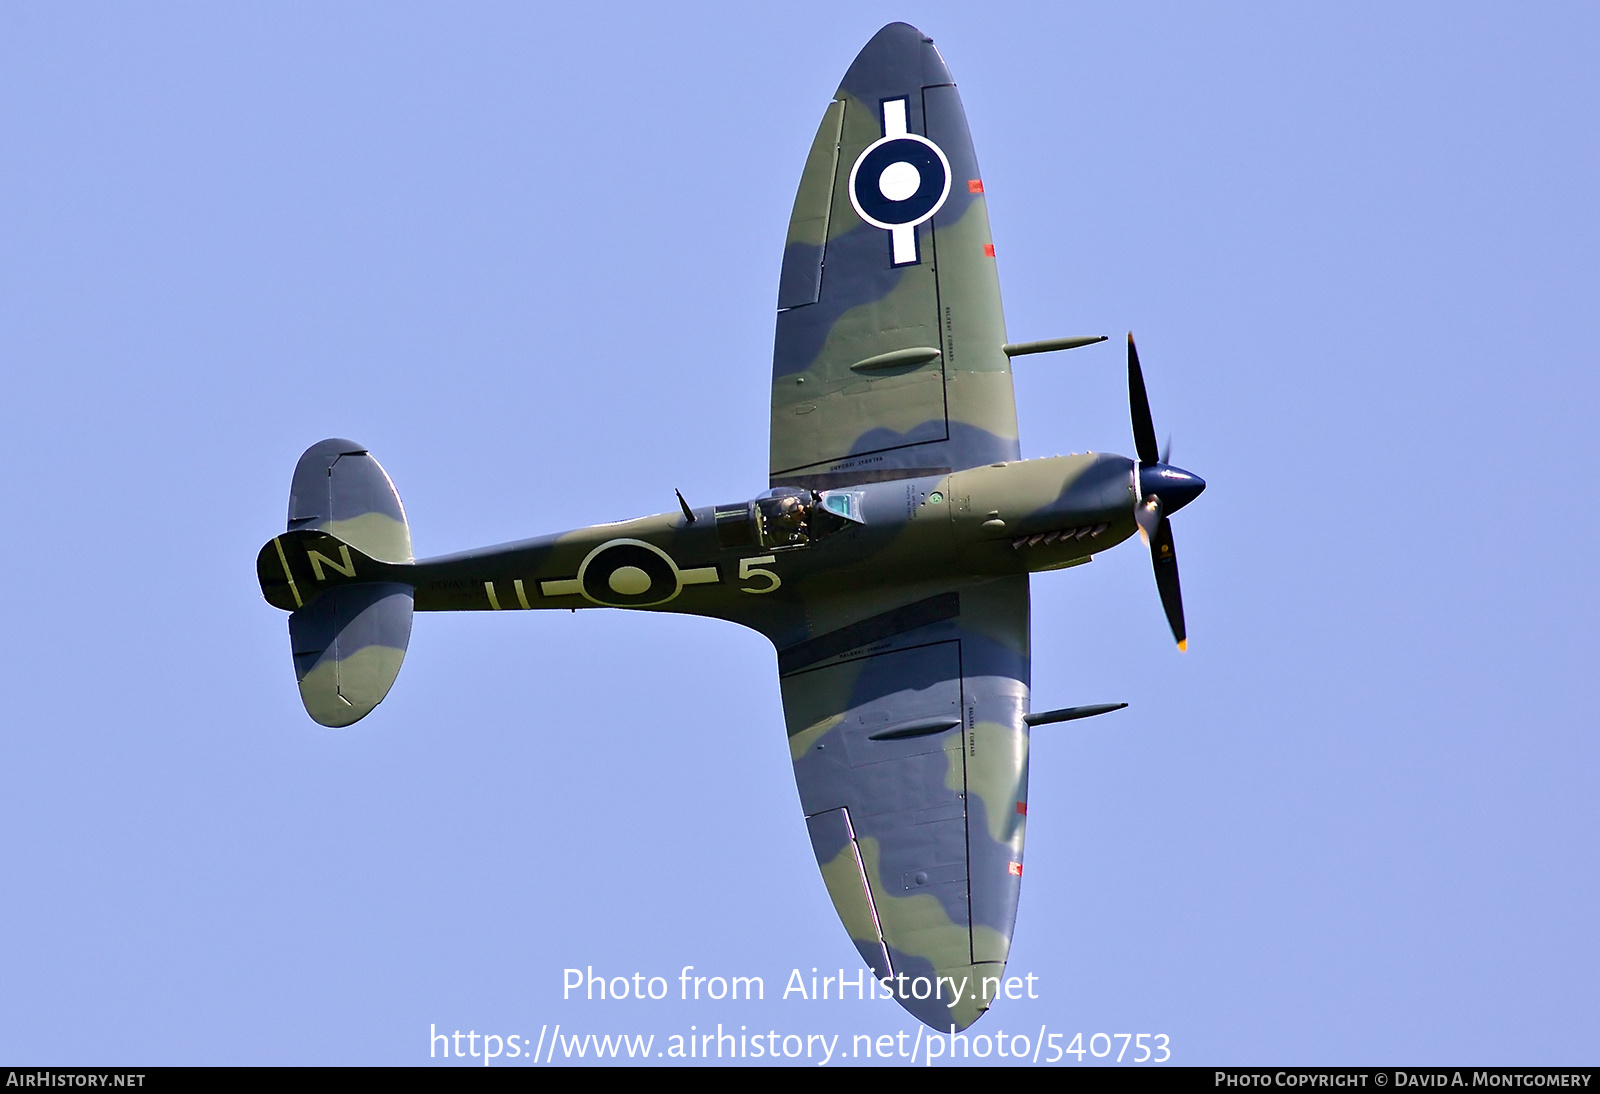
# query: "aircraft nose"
{"points": [[1175, 486]]}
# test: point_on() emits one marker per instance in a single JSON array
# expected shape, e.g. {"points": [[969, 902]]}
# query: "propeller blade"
{"points": [[1166, 450], [1165, 559], [1144, 429]]}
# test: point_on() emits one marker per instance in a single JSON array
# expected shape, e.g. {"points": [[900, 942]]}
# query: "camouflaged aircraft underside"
{"points": [[888, 561]]}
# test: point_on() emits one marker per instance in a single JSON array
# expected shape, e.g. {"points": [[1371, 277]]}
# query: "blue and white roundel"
{"points": [[899, 181]]}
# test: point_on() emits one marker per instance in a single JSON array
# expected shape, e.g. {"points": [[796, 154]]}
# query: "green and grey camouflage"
{"points": [[887, 562]]}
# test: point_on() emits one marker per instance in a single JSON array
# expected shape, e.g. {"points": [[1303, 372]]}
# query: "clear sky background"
{"points": [[529, 256]]}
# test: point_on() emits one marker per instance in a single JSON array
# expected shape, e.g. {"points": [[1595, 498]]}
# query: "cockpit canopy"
{"points": [[784, 519]]}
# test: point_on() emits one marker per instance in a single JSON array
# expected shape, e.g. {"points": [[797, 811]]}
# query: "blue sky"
{"points": [[529, 256]]}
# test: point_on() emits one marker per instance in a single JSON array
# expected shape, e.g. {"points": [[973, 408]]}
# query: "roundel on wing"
{"points": [[899, 181], [628, 573]]}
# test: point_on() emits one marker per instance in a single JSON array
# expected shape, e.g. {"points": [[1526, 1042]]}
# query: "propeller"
{"points": [[1160, 489]]}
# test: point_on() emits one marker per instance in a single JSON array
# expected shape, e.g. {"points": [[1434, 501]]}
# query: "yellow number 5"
{"points": [[748, 569]]}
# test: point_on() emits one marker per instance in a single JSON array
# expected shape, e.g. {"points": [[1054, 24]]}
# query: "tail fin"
{"points": [[336, 571]]}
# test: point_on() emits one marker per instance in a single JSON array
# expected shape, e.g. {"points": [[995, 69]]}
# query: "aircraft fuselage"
{"points": [[1009, 518]]}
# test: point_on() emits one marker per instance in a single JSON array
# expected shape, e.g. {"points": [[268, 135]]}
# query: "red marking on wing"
{"points": [[1014, 868], [1022, 807], [988, 249], [974, 186]]}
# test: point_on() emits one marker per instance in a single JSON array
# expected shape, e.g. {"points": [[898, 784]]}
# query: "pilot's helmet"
{"points": [[792, 511]]}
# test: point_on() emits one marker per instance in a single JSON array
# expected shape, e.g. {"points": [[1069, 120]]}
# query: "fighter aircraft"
{"points": [[888, 562]]}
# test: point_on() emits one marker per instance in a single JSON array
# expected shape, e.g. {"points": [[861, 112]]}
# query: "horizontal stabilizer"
{"points": [[348, 646], [341, 570], [339, 488]]}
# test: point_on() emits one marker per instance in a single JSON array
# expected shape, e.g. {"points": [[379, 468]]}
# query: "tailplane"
{"points": [[339, 571]]}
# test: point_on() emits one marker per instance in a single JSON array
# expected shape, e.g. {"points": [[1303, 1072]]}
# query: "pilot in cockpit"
{"points": [[791, 518]]}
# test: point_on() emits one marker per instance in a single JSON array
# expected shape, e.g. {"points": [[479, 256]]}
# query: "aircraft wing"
{"points": [[887, 361], [911, 755]]}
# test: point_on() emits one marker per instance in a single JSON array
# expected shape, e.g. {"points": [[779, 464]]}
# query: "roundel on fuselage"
{"points": [[628, 573]]}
